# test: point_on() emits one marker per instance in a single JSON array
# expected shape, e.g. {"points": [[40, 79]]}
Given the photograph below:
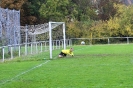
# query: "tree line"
{"points": [[83, 18]]}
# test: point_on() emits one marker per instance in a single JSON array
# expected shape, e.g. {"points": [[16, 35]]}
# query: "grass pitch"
{"points": [[96, 66]]}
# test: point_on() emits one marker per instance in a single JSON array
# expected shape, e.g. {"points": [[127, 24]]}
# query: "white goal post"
{"points": [[50, 35]]}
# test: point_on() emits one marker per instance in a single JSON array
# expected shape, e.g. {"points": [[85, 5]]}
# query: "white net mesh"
{"points": [[38, 29], [9, 27]]}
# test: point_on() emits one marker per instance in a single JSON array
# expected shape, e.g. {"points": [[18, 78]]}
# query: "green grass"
{"points": [[98, 66]]}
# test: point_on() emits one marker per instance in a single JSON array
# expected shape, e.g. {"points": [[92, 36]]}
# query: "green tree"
{"points": [[124, 15], [54, 10], [127, 21], [113, 26], [78, 29], [119, 25]]}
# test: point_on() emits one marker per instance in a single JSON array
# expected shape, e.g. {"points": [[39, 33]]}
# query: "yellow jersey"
{"points": [[68, 52]]}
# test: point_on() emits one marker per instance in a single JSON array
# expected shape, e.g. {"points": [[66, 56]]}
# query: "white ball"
{"points": [[82, 43]]}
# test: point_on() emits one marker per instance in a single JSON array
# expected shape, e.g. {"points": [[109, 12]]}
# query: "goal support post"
{"points": [[50, 36]]}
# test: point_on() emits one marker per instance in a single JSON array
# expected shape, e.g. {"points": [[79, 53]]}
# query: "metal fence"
{"points": [[106, 40], [11, 51], [9, 27]]}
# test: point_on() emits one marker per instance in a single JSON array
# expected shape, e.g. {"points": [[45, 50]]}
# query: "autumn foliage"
{"points": [[83, 18]]}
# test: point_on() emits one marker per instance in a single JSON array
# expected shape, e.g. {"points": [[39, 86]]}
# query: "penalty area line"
{"points": [[24, 73]]}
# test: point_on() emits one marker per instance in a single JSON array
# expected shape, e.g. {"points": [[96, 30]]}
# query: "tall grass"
{"points": [[98, 66]]}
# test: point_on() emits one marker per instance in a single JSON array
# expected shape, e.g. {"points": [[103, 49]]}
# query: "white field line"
{"points": [[24, 72], [55, 57]]}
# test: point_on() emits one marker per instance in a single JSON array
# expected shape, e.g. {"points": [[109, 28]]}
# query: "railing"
{"points": [[11, 51], [106, 40]]}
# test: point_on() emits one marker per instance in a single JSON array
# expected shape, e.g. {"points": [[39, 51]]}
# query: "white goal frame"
{"points": [[50, 36]]}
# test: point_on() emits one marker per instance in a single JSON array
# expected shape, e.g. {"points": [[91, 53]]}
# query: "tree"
{"points": [[124, 14], [12, 4], [105, 8], [29, 9], [54, 10]]}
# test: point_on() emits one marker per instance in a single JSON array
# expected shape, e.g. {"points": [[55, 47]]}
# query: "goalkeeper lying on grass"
{"points": [[66, 52]]}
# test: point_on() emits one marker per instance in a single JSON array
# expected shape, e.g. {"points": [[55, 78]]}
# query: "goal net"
{"points": [[34, 33]]}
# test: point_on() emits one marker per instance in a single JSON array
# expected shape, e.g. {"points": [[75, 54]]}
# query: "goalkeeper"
{"points": [[66, 52]]}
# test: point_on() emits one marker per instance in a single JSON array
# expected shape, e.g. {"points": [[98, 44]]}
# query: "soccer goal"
{"points": [[52, 25], [53, 33]]}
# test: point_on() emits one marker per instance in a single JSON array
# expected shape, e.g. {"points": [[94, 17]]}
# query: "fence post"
{"points": [[127, 40], [19, 50], [36, 48], [108, 41], [11, 52], [3, 53], [31, 48], [56, 44], [26, 35], [25, 48], [41, 46]]}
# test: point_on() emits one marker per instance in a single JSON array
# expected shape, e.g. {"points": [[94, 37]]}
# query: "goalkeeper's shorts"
{"points": [[62, 54]]}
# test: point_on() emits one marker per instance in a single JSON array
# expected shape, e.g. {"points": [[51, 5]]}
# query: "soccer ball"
{"points": [[82, 43]]}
